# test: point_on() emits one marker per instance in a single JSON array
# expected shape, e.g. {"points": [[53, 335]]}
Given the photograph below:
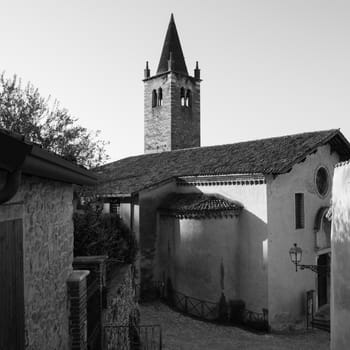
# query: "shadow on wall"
{"points": [[205, 257]]}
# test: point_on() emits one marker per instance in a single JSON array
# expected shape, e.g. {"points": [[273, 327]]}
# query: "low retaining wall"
{"points": [[121, 308]]}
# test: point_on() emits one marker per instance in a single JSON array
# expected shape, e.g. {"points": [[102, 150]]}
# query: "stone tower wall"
{"points": [[185, 121], [171, 126], [157, 133]]}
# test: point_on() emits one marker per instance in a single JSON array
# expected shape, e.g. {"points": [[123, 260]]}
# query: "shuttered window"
{"points": [[299, 211]]}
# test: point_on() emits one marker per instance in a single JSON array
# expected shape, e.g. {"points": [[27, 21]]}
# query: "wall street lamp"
{"points": [[296, 253]]}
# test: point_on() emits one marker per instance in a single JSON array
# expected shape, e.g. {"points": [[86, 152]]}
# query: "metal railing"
{"points": [[143, 337], [195, 307], [203, 309]]}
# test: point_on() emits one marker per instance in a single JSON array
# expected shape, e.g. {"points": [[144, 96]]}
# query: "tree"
{"points": [[96, 233], [23, 110]]}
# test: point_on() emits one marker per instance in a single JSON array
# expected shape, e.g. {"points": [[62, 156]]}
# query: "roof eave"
{"points": [[48, 165]]}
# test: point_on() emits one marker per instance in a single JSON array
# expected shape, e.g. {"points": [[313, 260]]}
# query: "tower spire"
{"points": [[172, 45]]}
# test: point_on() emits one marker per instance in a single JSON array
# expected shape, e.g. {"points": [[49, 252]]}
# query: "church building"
{"points": [[221, 219]]}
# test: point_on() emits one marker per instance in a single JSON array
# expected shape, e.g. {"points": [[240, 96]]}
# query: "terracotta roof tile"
{"points": [[198, 205], [267, 156]]}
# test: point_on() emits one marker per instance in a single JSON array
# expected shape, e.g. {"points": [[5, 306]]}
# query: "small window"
{"points": [[154, 98], [322, 181], [189, 98], [160, 97], [182, 95], [299, 211]]}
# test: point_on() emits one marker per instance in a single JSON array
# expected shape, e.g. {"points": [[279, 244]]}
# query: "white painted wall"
{"points": [[340, 270], [287, 288], [252, 234], [149, 200], [192, 253]]}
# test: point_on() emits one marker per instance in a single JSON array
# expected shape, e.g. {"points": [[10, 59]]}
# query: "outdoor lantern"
{"points": [[295, 254]]}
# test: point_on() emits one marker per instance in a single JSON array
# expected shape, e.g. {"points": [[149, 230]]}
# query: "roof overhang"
{"points": [[17, 154]]}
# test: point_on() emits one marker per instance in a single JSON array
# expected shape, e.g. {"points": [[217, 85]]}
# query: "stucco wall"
{"points": [[46, 209], [287, 288], [149, 200], [252, 238], [200, 256], [340, 268]]}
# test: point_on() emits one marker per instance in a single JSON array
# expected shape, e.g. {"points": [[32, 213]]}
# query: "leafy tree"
{"points": [[96, 233], [23, 110]]}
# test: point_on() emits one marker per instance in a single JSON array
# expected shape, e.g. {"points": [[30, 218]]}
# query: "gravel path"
{"points": [[181, 333]]}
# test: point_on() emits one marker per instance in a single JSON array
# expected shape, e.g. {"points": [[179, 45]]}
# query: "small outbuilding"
{"points": [[36, 244]]}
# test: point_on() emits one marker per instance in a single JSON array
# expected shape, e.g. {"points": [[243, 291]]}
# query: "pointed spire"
{"points": [[172, 45]]}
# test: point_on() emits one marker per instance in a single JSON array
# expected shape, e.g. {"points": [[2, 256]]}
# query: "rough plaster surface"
{"points": [[46, 209]]}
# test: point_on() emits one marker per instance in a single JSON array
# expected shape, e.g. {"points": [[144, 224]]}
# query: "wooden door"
{"points": [[11, 285]]}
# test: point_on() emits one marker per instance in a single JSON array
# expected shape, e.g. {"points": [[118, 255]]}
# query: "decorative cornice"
{"points": [[341, 164], [222, 180]]}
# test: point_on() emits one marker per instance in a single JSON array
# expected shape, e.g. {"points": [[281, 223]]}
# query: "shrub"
{"points": [[96, 233]]}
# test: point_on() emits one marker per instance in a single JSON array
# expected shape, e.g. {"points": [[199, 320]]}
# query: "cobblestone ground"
{"points": [[181, 333]]}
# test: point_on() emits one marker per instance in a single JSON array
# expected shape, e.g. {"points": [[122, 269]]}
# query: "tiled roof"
{"points": [[196, 205], [267, 156]]}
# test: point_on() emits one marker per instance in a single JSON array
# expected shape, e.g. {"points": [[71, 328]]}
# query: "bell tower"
{"points": [[171, 100]]}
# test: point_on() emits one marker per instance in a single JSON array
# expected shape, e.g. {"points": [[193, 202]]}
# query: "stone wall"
{"points": [[171, 126], [121, 309], [46, 209], [120, 297]]}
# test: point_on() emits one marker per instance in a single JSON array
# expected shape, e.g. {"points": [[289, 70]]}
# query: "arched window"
{"points": [[182, 96], [160, 97], [188, 99], [154, 98]]}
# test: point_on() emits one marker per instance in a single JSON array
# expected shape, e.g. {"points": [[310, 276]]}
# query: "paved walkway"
{"points": [[184, 333]]}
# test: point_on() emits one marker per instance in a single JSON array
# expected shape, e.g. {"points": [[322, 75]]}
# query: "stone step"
{"points": [[324, 325]]}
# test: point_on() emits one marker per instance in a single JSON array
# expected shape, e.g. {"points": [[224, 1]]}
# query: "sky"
{"points": [[269, 67]]}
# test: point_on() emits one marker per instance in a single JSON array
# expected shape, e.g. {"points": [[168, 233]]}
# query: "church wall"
{"points": [[149, 200], [252, 242], [200, 256], [340, 289], [287, 288]]}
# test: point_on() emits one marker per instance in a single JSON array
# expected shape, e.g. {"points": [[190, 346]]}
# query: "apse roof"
{"points": [[198, 205], [274, 155]]}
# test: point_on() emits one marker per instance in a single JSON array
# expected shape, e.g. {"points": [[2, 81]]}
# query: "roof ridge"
{"points": [[221, 145]]}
